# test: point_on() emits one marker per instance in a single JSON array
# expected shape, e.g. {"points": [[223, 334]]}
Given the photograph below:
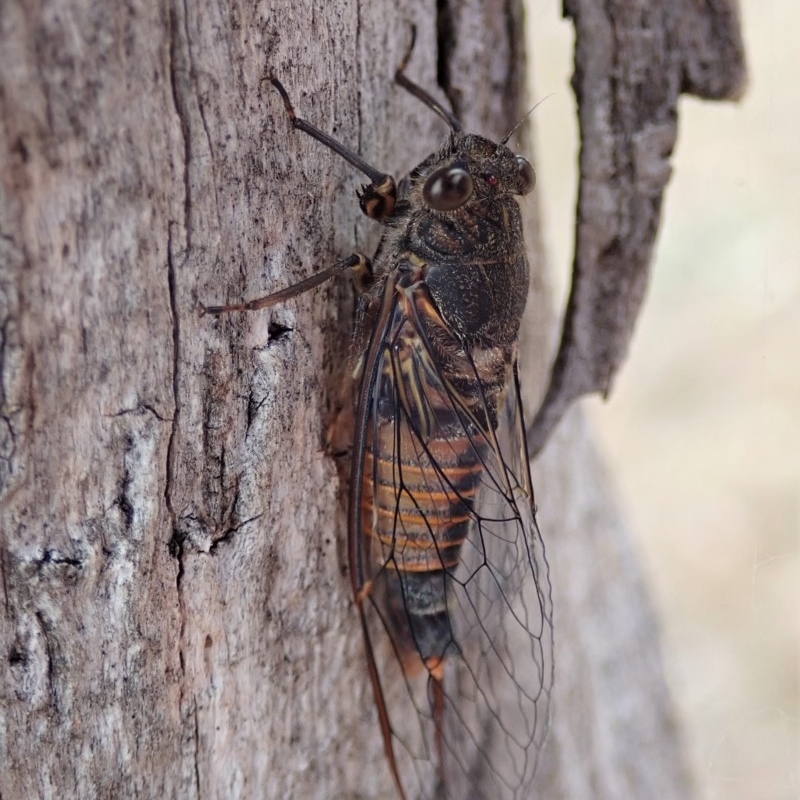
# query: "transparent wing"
{"points": [[450, 566]]}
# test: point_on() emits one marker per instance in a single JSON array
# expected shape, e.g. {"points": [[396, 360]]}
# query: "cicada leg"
{"points": [[359, 263], [376, 198]]}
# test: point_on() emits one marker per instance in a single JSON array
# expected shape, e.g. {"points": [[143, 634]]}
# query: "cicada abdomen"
{"points": [[447, 565], [423, 460]]}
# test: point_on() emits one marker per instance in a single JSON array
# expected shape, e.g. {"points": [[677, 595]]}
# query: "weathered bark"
{"points": [[633, 60], [176, 615]]}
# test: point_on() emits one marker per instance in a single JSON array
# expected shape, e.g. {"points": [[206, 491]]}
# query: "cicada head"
{"points": [[470, 167]]}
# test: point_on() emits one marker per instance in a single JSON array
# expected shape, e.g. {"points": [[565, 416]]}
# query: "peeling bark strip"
{"points": [[633, 60]]}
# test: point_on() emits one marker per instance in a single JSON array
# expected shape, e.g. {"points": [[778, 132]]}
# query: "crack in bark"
{"points": [[177, 539], [276, 333], [514, 60], [3, 572], [171, 455], [182, 77], [229, 533], [196, 751], [8, 433], [253, 407], [123, 500], [445, 46], [177, 82], [50, 654], [360, 122], [51, 557], [176, 542], [177, 70], [139, 409]]}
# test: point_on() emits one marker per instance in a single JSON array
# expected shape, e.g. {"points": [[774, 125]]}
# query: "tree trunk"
{"points": [[177, 619]]}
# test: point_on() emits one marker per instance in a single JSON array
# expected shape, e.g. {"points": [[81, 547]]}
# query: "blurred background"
{"points": [[702, 430]]}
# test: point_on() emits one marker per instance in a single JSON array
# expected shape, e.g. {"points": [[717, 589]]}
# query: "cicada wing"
{"points": [[453, 578], [501, 607]]}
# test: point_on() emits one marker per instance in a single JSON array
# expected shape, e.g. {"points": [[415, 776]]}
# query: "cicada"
{"points": [[447, 563]]}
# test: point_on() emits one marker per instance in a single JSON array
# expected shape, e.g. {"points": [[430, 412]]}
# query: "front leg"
{"points": [[359, 263], [377, 198]]}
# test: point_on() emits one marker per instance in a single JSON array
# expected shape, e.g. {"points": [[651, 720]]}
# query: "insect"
{"points": [[447, 564]]}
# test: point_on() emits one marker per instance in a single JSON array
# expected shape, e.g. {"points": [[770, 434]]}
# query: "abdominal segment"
{"points": [[421, 474]]}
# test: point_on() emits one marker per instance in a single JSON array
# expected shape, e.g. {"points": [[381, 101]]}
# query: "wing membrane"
{"points": [[449, 564]]}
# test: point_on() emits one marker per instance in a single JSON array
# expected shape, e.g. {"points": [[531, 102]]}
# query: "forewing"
{"points": [[464, 693]]}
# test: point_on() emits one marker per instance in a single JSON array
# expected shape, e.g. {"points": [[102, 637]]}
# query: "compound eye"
{"points": [[448, 188], [527, 174]]}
